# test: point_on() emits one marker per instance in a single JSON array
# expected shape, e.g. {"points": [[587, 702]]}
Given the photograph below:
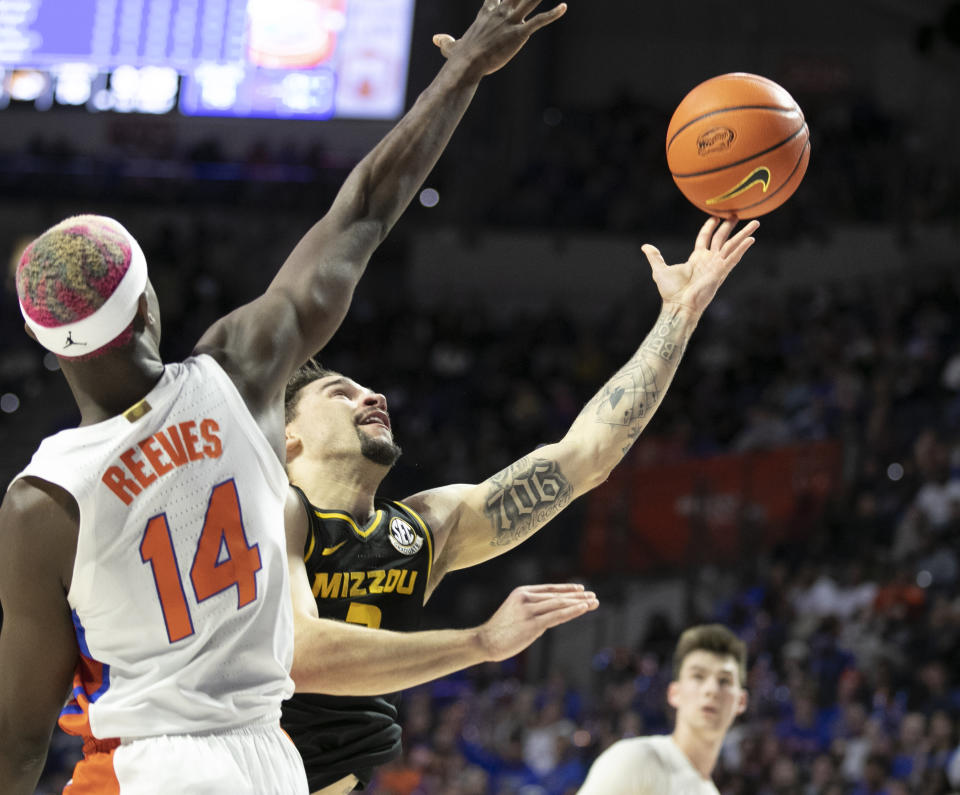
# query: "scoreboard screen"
{"points": [[267, 58]]}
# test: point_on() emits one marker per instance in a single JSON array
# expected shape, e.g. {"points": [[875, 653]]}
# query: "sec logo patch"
{"points": [[404, 538]]}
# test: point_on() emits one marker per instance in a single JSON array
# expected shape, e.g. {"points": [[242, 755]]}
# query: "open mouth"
{"points": [[376, 418]]}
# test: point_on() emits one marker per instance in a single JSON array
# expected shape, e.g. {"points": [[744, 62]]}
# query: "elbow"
{"points": [[333, 287], [312, 678], [596, 477], [380, 226], [300, 672], [315, 677], [598, 471], [303, 679], [372, 210], [322, 661], [585, 460]]}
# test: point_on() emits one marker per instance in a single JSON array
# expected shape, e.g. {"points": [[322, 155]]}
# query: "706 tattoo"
{"points": [[524, 496]]}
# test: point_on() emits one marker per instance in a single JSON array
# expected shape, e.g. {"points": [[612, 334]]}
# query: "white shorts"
{"points": [[252, 760]]}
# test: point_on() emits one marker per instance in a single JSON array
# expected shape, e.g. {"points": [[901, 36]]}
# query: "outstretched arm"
{"points": [[38, 649], [473, 523], [337, 658], [262, 343]]}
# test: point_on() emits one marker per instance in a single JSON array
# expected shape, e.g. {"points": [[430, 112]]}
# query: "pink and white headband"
{"points": [[89, 334]]}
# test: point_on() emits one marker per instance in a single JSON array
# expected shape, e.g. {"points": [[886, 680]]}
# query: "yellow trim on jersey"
{"points": [[313, 544], [426, 533], [350, 521]]}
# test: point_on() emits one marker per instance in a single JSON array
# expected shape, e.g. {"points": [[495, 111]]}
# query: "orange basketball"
{"points": [[738, 145]]}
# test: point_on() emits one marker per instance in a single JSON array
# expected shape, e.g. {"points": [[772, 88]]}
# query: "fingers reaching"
{"points": [[561, 602], [733, 257], [722, 233], [517, 10], [553, 588], [540, 20], [694, 283], [537, 598], [529, 611], [706, 233], [498, 33], [734, 242], [715, 236], [566, 613], [653, 255]]}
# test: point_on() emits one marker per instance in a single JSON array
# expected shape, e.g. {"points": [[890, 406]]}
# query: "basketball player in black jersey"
{"points": [[376, 562], [373, 573]]}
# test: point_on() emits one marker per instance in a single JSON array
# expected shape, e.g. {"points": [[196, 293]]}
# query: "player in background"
{"points": [[143, 567], [361, 559], [708, 693]]}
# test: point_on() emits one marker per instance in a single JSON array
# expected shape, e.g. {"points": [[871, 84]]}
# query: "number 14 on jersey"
{"points": [[223, 559]]}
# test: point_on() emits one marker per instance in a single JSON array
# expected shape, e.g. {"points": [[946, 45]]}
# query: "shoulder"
{"points": [[251, 344], [211, 367], [39, 524], [405, 510], [625, 758], [31, 498], [630, 767], [632, 751], [439, 508]]}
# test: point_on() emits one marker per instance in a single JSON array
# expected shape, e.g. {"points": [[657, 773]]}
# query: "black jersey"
{"points": [[376, 575]]}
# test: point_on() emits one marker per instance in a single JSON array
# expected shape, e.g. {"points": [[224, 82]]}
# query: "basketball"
{"points": [[738, 144]]}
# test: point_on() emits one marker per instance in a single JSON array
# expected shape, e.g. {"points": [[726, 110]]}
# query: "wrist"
{"points": [[677, 313], [461, 71], [480, 644]]}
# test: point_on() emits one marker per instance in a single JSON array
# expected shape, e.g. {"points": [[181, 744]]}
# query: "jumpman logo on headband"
{"points": [[70, 341]]}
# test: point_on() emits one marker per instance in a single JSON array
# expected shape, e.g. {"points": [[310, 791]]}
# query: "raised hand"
{"points": [[528, 612], [496, 35], [693, 284]]}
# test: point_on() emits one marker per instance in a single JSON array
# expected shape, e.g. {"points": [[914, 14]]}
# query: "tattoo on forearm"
{"points": [[628, 400], [666, 339], [524, 496], [625, 398]]}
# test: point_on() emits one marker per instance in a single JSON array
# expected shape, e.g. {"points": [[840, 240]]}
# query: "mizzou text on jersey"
{"points": [[373, 574]]}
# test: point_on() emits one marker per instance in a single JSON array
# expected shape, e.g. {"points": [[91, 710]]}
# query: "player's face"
{"points": [[707, 694], [336, 415]]}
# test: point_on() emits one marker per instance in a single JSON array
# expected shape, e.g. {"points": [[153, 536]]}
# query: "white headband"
{"points": [[95, 330]]}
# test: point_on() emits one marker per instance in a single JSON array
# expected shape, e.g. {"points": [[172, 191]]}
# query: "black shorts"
{"points": [[338, 736]]}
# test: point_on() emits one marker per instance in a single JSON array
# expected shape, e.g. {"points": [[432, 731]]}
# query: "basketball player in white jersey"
{"points": [[708, 693], [340, 446], [143, 555]]}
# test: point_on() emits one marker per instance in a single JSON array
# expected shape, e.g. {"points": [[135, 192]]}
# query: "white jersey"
{"points": [[645, 766], [180, 588]]}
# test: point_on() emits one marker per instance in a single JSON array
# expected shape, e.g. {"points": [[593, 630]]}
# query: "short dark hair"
{"points": [[309, 372], [714, 638]]}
